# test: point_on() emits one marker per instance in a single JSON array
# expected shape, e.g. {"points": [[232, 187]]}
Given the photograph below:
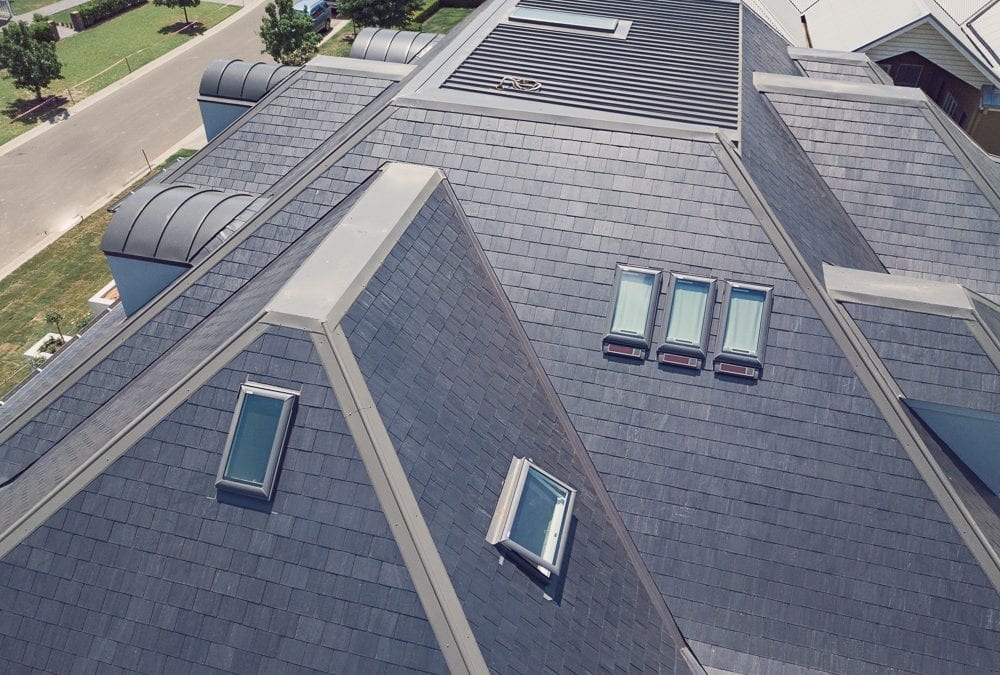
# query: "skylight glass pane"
{"points": [[538, 522], [565, 19], [632, 304], [687, 312], [254, 439], [746, 311]]}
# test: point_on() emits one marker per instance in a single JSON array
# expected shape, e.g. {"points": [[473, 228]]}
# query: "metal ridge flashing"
{"points": [[895, 291], [838, 89], [342, 65], [327, 284], [827, 56]]}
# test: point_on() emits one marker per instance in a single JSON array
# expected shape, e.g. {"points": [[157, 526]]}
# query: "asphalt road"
{"points": [[48, 182]]}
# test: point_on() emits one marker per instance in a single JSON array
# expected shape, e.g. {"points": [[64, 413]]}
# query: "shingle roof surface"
{"points": [[808, 210], [146, 570], [264, 147], [932, 358], [911, 197], [789, 498], [460, 398]]}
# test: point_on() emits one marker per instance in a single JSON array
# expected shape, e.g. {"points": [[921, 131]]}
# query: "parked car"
{"points": [[318, 10]]}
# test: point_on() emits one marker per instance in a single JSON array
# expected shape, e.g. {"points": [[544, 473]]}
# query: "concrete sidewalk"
{"points": [[54, 175]]}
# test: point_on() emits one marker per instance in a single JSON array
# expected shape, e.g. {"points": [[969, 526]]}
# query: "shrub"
{"points": [[96, 11]]}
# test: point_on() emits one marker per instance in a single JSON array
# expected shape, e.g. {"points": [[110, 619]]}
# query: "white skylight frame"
{"points": [[743, 363], [689, 354], [264, 489], [499, 533], [633, 344]]}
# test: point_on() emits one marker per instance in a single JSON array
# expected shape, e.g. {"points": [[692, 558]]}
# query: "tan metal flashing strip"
{"points": [[68, 486], [413, 536], [686, 654], [837, 89], [342, 65], [828, 56], [895, 291], [868, 367], [330, 280]]}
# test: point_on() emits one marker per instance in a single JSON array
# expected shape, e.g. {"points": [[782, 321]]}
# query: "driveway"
{"points": [[50, 180]]}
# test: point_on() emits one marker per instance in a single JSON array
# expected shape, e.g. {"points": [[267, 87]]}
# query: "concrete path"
{"points": [[49, 9], [55, 174]]}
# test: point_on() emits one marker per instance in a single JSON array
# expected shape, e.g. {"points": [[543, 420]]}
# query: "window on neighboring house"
{"points": [[257, 438], [689, 314], [631, 318], [746, 310], [907, 75], [532, 516]]}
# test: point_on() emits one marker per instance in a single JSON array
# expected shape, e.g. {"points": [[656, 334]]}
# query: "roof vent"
{"points": [[584, 23]]}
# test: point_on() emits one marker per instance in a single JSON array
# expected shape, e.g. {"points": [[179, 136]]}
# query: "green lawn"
{"points": [[441, 21], [142, 34], [61, 278], [25, 6], [445, 19]]}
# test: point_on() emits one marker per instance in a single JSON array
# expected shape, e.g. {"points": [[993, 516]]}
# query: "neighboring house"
{"points": [[948, 48], [603, 338]]}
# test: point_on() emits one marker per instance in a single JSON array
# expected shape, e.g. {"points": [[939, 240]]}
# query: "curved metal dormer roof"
{"points": [[392, 46], [170, 223], [241, 80]]}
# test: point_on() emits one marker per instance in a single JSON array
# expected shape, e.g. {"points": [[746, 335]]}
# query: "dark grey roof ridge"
{"points": [[343, 65], [885, 394]]}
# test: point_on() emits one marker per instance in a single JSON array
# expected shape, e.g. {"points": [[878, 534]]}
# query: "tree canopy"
{"points": [[288, 35], [28, 53], [381, 13], [183, 4]]}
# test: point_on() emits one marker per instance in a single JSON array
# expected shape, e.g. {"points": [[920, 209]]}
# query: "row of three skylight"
{"points": [[690, 308]]}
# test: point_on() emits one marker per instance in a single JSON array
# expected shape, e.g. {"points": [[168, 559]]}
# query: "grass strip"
{"points": [[61, 278]]}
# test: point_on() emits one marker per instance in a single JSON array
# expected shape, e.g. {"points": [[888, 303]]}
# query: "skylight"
{"points": [[631, 319], [746, 309], [532, 516], [256, 440], [548, 17], [689, 314]]}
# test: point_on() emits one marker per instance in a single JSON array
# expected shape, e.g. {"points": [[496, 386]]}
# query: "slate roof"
{"points": [[796, 523], [933, 358], [903, 186], [264, 144]]}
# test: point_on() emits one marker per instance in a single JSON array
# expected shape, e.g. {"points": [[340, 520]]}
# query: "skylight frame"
{"points": [[508, 505], [632, 345], [680, 353], [738, 362], [265, 490]]}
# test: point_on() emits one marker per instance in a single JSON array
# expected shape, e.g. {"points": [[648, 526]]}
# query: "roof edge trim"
{"points": [[827, 56], [399, 504], [894, 291], [354, 250], [342, 65], [767, 83]]}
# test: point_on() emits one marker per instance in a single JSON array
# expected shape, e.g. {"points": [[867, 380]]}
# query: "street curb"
{"points": [[195, 140], [42, 127]]}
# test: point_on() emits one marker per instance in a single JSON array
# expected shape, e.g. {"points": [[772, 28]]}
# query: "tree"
{"points": [[28, 53], [56, 318], [287, 34], [183, 4], [381, 13]]}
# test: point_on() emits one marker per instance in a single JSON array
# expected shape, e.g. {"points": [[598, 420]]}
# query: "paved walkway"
{"points": [[49, 9], [51, 177]]}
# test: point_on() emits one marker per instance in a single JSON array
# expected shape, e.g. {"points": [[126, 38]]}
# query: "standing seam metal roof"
{"points": [[392, 46], [680, 61], [169, 222], [241, 80]]}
